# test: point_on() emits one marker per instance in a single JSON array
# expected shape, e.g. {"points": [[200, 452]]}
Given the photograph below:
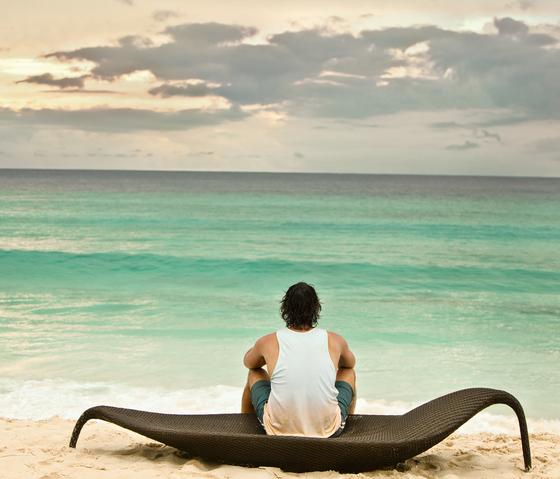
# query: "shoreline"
{"points": [[39, 449], [43, 399]]}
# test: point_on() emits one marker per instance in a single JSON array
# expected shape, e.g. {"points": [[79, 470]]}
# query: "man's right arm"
{"points": [[254, 358], [265, 351]]}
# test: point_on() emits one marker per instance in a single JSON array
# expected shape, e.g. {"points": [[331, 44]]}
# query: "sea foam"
{"points": [[43, 399]]}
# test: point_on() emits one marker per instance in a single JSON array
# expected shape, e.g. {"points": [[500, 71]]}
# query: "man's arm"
{"points": [[347, 358], [254, 358], [339, 348], [264, 348]]}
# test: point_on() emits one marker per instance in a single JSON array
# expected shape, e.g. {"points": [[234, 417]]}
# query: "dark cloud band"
{"points": [[120, 119], [48, 79], [317, 73]]}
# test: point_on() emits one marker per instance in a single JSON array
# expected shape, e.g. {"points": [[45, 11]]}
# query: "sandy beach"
{"points": [[39, 450]]}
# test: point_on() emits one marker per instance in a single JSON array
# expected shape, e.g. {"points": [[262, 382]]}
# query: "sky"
{"points": [[403, 87]]}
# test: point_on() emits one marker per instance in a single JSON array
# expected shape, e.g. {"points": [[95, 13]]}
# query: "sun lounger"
{"points": [[369, 442]]}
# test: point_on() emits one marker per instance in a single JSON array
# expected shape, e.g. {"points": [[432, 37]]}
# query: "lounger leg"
{"points": [[85, 417]]}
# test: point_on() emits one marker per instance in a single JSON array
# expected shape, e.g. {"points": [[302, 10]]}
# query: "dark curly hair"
{"points": [[300, 306]]}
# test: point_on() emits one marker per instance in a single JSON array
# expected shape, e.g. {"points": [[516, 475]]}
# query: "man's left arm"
{"points": [[346, 358]]}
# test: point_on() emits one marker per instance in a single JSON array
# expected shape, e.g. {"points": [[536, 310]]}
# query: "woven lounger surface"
{"points": [[368, 442]]}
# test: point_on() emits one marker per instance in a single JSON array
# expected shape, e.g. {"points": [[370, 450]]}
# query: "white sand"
{"points": [[39, 449]]}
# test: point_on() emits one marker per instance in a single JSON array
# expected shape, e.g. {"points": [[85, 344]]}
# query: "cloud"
{"points": [[521, 4], [405, 37], [545, 145], [357, 124], [86, 92], [163, 15], [126, 2], [297, 154], [474, 127], [120, 119], [509, 26], [455, 69], [319, 73], [504, 121], [468, 145], [209, 34], [196, 90], [201, 153], [512, 120], [48, 79], [487, 134]]}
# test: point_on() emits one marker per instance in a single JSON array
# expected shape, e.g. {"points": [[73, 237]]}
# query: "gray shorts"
{"points": [[260, 393]]}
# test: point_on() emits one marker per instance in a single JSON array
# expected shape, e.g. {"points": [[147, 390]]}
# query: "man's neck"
{"points": [[300, 330]]}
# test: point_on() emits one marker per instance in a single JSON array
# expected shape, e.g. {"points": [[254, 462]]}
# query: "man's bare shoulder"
{"points": [[336, 338], [267, 343], [267, 339]]}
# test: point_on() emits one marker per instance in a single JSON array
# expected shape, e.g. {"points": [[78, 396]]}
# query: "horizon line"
{"points": [[277, 172]]}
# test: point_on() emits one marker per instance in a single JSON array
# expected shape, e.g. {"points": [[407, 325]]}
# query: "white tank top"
{"points": [[303, 399]]}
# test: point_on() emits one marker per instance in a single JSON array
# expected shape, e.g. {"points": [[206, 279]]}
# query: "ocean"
{"points": [[145, 289]]}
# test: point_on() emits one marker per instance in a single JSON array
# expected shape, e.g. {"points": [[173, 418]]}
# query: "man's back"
{"points": [[303, 400], [310, 384]]}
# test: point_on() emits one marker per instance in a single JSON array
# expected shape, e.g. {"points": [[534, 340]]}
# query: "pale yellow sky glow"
{"points": [[433, 87]]}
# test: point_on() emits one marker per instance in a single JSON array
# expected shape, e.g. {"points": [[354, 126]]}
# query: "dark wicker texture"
{"points": [[368, 442]]}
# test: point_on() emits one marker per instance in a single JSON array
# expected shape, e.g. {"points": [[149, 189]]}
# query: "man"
{"points": [[309, 388]]}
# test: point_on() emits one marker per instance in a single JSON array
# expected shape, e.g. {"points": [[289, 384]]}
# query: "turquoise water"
{"points": [[148, 287]]}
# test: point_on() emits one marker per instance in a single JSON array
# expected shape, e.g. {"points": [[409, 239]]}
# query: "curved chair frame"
{"points": [[368, 442]]}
